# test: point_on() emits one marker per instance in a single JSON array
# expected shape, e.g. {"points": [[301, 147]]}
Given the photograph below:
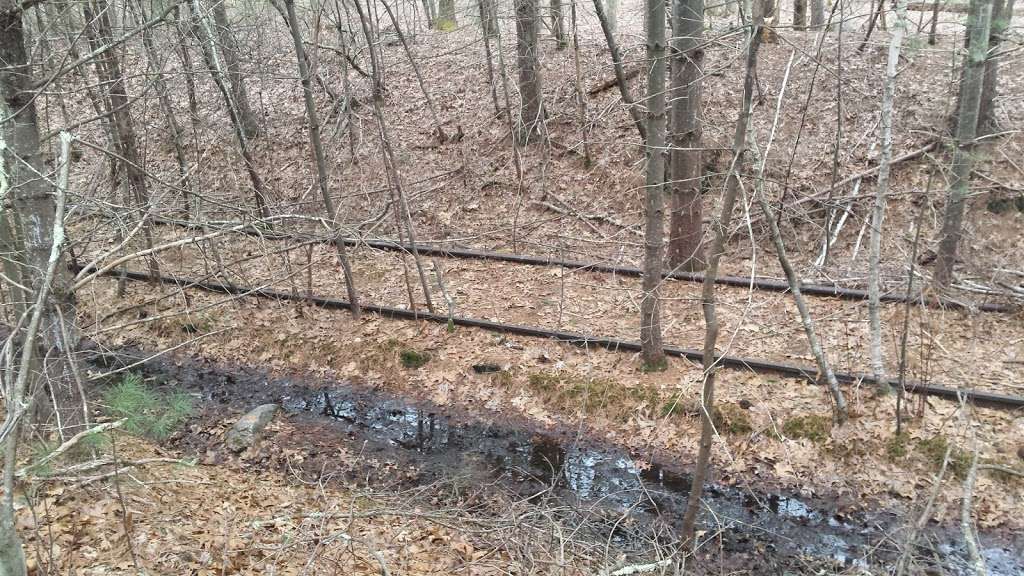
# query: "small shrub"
{"points": [[413, 359], [147, 412], [813, 427]]}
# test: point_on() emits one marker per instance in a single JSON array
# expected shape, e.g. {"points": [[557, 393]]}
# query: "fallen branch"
{"points": [[67, 445], [613, 82]]}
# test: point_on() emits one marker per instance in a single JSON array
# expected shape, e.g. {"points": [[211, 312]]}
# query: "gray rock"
{"points": [[247, 430]]}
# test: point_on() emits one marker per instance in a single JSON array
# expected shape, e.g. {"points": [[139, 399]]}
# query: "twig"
{"points": [[67, 445]]}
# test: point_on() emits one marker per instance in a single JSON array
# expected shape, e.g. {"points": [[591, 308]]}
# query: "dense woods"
{"points": [[511, 287]]}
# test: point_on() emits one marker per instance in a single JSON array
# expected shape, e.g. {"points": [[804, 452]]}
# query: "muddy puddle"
{"points": [[425, 443]]}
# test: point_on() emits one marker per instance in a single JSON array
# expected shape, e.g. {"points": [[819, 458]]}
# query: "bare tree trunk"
{"points": [[653, 352], [446, 15], [390, 164], [620, 75], [108, 68], [233, 67], [875, 15], [186, 63], [213, 61], [979, 22], [932, 38], [1002, 13], [430, 11], [489, 27], [611, 10], [531, 120], [558, 24], [685, 250], [438, 129], [721, 228], [581, 98], [32, 231], [318, 155], [878, 212], [799, 14], [488, 17], [163, 95], [818, 13]]}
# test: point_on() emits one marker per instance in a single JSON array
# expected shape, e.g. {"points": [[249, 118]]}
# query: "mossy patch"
{"points": [[896, 447], [413, 359], [934, 451], [813, 427], [566, 390], [656, 366], [731, 419]]}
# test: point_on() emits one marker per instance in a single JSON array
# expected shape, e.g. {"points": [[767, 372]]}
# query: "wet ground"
{"points": [[404, 443]]}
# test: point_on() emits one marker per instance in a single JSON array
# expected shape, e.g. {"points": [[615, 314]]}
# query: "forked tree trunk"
{"points": [[1002, 13], [108, 69], [163, 95], [558, 24], [318, 155], [652, 348], [721, 228], [205, 33], [402, 211], [233, 68], [979, 22], [685, 251], [531, 116]]}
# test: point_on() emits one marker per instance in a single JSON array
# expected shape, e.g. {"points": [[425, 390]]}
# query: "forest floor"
{"points": [[466, 193]]}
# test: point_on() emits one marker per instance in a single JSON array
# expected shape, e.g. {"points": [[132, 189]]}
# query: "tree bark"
{"points": [[558, 24], [1002, 13], [708, 304], [318, 153], [233, 68], [979, 22], [685, 251], [531, 119], [878, 211], [653, 352], [799, 14], [28, 214]]}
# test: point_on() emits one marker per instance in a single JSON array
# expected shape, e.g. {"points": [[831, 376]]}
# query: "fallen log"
{"points": [[756, 282], [806, 373]]}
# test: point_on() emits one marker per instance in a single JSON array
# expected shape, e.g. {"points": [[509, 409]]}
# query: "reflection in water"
{"points": [[614, 478]]}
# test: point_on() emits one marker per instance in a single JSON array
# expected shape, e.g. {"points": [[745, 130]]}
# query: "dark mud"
{"points": [[403, 443]]}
